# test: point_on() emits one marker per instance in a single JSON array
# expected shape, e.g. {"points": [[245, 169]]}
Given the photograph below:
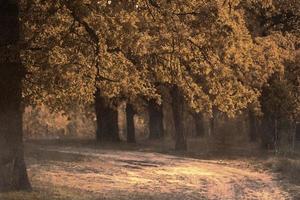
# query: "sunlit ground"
{"points": [[69, 172]]}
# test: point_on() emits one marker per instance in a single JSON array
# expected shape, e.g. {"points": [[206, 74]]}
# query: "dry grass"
{"points": [[288, 169]]}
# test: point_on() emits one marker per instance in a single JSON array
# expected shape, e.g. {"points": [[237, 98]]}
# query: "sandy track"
{"points": [[111, 174]]}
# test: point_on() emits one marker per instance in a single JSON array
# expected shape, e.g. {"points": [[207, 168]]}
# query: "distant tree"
{"points": [[199, 124], [178, 109], [206, 51], [253, 125], [156, 118], [81, 59], [277, 21], [130, 112], [107, 120]]}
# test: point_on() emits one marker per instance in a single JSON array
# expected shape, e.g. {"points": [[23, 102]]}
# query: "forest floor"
{"points": [[60, 171]]}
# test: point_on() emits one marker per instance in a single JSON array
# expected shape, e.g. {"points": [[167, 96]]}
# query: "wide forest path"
{"points": [[80, 172]]}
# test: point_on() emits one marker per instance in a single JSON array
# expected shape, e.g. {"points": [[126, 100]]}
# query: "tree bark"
{"points": [[268, 133], [297, 131], [107, 121], [199, 124], [156, 127], [178, 109], [13, 174], [253, 126], [211, 126], [130, 123], [213, 122]]}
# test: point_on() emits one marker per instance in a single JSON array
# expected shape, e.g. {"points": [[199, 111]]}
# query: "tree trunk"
{"points": [[268, 133], [297, 134], [130, 123], [212, 122], [177, 107], [156, 126], [107, 121], [276, 137], [13, 175], [199, 124], [211, 126], [253, 126]]}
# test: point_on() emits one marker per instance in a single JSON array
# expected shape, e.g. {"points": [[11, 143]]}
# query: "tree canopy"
{"points": [[214, 51]]}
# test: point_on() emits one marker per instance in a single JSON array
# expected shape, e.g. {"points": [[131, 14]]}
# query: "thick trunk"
{"points": [[178, 109], [107, 121], [156, 126], [130, 123], [199, 124], [13, 175], [253, 126]]}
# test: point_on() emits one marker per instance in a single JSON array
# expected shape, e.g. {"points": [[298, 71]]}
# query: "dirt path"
{"points": [[111, 174]]}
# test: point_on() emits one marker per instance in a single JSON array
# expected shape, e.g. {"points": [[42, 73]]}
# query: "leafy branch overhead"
{"points": [[218, 53]]}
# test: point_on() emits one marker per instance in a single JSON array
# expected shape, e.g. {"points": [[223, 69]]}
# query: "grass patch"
{"points": [[288, 167], [53, 193]]}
